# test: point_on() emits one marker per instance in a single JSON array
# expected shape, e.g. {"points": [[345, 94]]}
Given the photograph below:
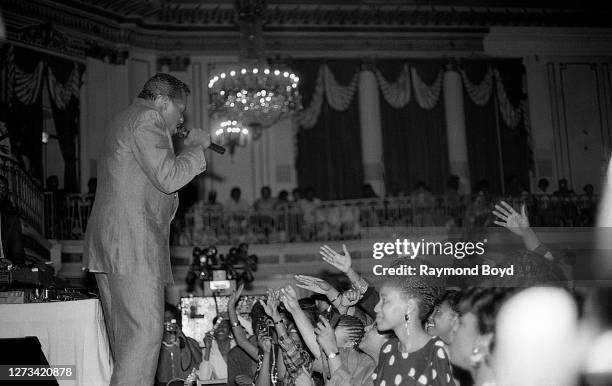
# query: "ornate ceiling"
{"points": [[294, 27]]}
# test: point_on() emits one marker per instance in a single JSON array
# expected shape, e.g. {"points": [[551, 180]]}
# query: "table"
{"points": [[70, 333]]}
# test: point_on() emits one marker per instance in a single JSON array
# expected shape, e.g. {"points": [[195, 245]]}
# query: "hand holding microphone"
{"points": [[202, 138]]}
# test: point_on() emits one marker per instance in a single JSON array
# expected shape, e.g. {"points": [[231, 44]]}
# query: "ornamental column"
{"points": [[455, 127], [371, 132]]}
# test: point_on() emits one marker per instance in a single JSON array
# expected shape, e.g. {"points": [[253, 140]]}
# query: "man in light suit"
{"points": [[127, 238]]}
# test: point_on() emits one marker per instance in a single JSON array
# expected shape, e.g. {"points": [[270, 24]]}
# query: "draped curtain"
{"points": [[413, 124], [497, 124], [27, 72], [517, 156], [24, 119], [481, 126], [329, 141]]}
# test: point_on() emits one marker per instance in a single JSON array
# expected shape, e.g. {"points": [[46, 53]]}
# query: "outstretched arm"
{"points": [[263, 377], [344, 263], [321, 286], [327, 339], [239, 333], [519, 225], [289, 299]]}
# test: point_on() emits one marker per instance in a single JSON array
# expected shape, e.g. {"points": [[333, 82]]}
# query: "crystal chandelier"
{"points": [[231, 134], [252, 92]]}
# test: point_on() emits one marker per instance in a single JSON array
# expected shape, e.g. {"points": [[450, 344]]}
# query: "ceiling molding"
{"points": [[205, 27]]}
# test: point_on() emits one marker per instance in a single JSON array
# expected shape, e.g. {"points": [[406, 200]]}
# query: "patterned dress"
{"points": [[427, 366]]}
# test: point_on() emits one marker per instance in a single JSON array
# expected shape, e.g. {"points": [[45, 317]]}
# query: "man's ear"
{"points": [[161, 101]]}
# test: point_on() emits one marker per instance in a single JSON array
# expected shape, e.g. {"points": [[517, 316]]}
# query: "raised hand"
{"points": [[342, 262], [235, 296], [511, 219], [208, 338], [289, 298], [313, 284], [265, 343], [325, 336], [271, 305], [350, 298]]}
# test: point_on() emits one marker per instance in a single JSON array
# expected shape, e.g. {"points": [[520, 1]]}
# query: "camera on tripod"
{"points": [[219, 274]]}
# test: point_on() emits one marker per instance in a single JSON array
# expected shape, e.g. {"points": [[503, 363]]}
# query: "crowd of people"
{"points": [[302, 216], [412, 330]]}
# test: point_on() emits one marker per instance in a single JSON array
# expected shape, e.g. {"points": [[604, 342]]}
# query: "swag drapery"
{"points": [[329, 146], [413, 125], [497, 124], [26, 73]]}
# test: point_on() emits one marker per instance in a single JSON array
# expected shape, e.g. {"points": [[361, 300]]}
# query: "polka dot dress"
{"points": [[427, 366]]}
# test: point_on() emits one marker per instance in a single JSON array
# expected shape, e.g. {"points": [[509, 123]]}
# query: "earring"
{"points": [[407, 324], [476, 357]]}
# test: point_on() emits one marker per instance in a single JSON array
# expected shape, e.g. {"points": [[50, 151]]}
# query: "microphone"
{"points": [[216, 148], [183, 132]]}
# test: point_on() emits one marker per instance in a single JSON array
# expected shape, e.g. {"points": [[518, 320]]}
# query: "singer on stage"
{"points": [[127, 238]]}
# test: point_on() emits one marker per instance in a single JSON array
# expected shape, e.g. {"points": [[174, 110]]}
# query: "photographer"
{"points": [[216, 347], [179, 355]]}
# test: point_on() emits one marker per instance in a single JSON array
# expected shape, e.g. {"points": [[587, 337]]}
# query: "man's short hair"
{"points": [[164, 84]]}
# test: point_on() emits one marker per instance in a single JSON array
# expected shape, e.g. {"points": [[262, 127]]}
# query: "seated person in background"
{"points": [[235, 203], [178, 355], [266, 202], [216, 348], [542, 186], [423, 202], [207, 218], [236, 212], [264, 219], [296, 195], [10, 225], [563, 190], [282, 202], [309, 206]]}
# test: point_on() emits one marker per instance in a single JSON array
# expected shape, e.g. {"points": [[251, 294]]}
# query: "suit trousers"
{"points": [[133, 308]]}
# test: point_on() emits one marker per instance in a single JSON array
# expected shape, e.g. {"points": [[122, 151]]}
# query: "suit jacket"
{"points": [[128, 232]]}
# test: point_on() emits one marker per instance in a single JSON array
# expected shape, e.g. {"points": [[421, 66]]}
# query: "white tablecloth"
{"points": [[70, 333]]}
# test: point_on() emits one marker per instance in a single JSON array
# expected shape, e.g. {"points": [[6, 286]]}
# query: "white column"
{"points": [[455, 128], [371, 132]]}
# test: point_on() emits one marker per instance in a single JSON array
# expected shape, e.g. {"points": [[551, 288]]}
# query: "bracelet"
{"points": [[336, 298], [361, 286], [235, 324], [279, 321]]}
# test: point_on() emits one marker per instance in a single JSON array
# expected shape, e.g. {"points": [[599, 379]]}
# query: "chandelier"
{"points": [[231, 134], [252, 92]]}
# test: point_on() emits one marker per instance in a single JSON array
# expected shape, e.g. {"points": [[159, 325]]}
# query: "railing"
{"points": [[67, 215], [24, 192], [332, 220]]}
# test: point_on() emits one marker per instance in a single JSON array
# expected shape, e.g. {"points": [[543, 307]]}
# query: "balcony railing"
{"points": [[24, 192], [330, 220]]}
